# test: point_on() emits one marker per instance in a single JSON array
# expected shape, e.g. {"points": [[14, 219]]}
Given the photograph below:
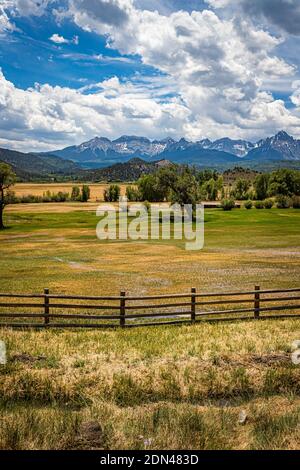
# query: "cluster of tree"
{"points": [[82, 195], [281, 182], [176, 184]]}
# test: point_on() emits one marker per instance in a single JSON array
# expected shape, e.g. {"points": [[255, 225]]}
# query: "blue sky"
{"points": [[74, 69]]}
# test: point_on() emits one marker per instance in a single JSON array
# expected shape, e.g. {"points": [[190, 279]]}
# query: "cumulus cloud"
{"points": [[46, 117], [58, 39], [219, 65], [284, 14], [214, 69]]}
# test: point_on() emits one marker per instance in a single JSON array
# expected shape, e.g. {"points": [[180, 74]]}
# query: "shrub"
{"points": [[248, 205], [268, 203], [75, 196], [283, 202], [132, 194], [227, 204], [11, 198], [85, 193], [112, 193], [259, 205], [296, 202]]}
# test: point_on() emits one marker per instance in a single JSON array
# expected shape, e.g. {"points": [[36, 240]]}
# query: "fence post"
{"points": [[257, 302], [46, 307], [122, 308], [193, 304]]}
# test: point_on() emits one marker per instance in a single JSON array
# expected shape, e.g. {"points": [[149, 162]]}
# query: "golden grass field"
{"points": [[167, 387], [37, 189]]}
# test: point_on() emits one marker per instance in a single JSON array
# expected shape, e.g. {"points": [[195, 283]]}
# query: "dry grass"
{"points": [[150, 388], [37, 189]]}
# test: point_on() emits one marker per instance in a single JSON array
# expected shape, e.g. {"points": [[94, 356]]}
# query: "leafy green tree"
{"points": [[284, 182], [85, 193], [210, 189], [241, 189], [7, 179], [112, 193], [75, 195], [149, 188], [132, 193], [186, 190], [261, 186]]}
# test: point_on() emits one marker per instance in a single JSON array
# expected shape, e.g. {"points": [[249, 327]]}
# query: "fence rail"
{"points": [[54, 310]]}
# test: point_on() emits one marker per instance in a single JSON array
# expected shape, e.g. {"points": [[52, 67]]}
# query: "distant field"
{"points": [[37, 189], [150, 388]]}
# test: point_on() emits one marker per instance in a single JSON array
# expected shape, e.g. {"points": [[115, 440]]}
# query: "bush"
{"points": [[283, 202], [11, 198], [75, 196], [112, 193], [248, 205], [268, 204], [227, 204], [85, 193], [132, 194], [296, 202], [259, 205]]}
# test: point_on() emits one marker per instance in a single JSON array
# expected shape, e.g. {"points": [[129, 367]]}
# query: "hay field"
{"points": [[37, 189], [150, 388]]}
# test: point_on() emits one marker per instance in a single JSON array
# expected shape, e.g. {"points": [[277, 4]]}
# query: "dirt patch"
{"points": [[27, 358], [90, 436]]}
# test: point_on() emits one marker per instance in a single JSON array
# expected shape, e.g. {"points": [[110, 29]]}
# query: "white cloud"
{"points": [[58, 39], [46, 117], [219, 66], [214, 84]]}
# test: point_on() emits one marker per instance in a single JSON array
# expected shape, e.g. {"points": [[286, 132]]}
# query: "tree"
{"points": [[149, 189], [132, 194], [186, 190], [85, 193], [7, 179], [261, 185], [75, 196], [112, 193], [285, 182], [241, 188], [210, 189]]}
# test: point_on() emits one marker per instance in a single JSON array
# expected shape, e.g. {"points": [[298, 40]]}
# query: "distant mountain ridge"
{"points": [[102, 152], [29, 166]]}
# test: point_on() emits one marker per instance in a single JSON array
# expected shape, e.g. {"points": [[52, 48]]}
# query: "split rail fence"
{"points": [[49, 310]]}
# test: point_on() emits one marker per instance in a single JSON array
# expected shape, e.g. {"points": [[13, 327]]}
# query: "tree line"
{"points": [[177, 184]]}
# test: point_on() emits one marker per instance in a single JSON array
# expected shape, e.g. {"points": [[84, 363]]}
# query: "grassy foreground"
{"points": [[150, 388]]}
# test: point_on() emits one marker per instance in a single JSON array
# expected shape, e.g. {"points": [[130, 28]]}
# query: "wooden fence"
{"points": [[57, 311]]}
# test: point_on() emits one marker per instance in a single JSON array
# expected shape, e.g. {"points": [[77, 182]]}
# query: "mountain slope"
{"points": [[128, 171], [30, 165]]}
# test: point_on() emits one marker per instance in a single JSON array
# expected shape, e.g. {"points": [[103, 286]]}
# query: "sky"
{"points": [[74, 69]]}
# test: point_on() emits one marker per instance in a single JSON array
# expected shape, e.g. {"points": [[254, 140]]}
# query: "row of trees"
{"points": [[187, 185], [78, 194]]}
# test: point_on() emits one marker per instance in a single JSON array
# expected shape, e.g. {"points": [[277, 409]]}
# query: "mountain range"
{"points": [[129, 156], [102, 152]]}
